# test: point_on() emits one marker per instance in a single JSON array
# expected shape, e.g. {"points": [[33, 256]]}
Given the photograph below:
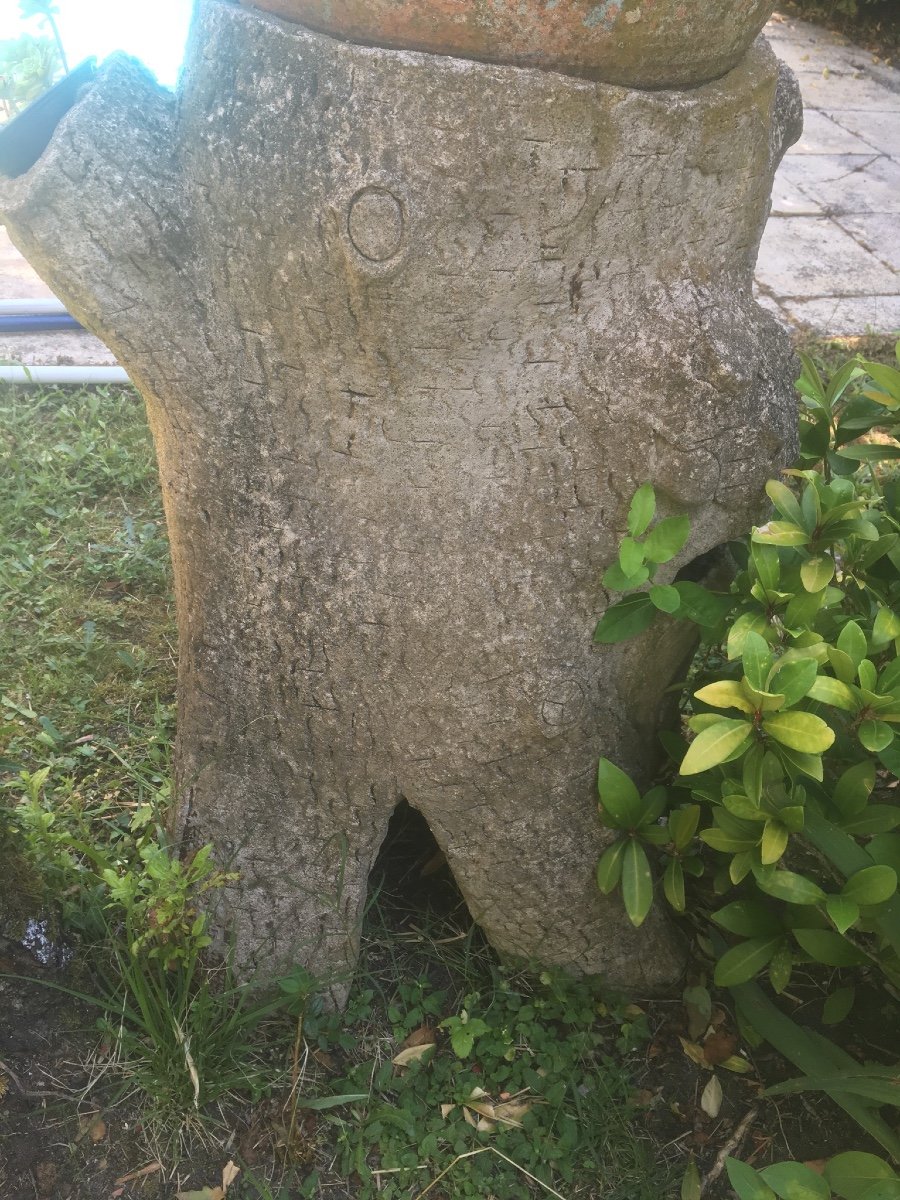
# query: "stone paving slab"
{"points": [[830, 255]]}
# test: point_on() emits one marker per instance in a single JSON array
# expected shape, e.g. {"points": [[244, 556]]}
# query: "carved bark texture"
{"points": [[411, 330]]}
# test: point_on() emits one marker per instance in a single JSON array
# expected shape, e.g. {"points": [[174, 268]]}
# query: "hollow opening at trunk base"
{"points": [[411, 881]]}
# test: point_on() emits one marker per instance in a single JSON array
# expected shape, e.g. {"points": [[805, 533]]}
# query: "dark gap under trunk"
{"points": [[411, 878]]}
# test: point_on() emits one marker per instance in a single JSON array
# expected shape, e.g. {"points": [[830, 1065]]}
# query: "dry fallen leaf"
{"points": [[423, 1036], [324, 1059], [230, 1173], [415, 1046], [150, 1169], [511, 1112], [412, 1054], [207, 1193], [446, 1110], [719, 1046], [97, 1130], [694, 1052], [711, 1100]]}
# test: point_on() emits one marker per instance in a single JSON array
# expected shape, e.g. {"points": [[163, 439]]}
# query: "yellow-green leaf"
{"points": [[831, 691], [774, 842], [817, 573], [715, 744], [800, 731], [726, 693], [637, 883], [781, 533]]}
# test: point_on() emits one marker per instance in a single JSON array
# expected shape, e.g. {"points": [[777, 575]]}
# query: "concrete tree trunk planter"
{"points": [[411, 329]]}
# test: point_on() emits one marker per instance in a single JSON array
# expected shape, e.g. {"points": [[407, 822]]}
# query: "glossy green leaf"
{"points": [[842, 665], [748, 918], [767, 564], [620, 799], [799, 730], [887, 378], [667, 538], [631, 556], [683, 825], [742, 962], [637, 883], [872, 885], [642, 510], [803, 609], [756, 658], [852, 641], [616, 580], [831, 691], [741, 628], [742, 806], [609, 868], [838, 1006], [843, 913], [785, 501], [794, 1181], [781, 533], [799, 763], [829, 948], [886, 626], [666, 598], [816, 573], [794, 679], [729, 843], [880, 1084], [673, 885], [858, 528], [789, 886], [747, 1182], [690, 1183], [885, 848], [781, 966], [700, 605], [774, 842], [883, 1189], [849, 1174], [870, 451], [875, 735], [876, 818], [625, 619], [725, 693], [715, 744]]}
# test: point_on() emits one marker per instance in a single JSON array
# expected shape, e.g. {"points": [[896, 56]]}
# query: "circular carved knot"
{"points": [[375, 223]]}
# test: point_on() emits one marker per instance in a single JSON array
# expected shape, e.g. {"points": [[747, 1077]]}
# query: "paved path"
{"points": [[830, 256]]}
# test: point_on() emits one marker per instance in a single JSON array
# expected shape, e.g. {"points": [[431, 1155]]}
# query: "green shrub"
{"points": [[781, 801]]}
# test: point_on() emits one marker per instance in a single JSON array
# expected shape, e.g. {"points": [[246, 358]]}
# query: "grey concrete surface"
{"points": [[830, 255]]}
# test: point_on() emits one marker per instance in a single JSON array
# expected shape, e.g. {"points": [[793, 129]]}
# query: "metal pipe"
{"points": [[38, 322], [84, 376], [33, 306]]}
